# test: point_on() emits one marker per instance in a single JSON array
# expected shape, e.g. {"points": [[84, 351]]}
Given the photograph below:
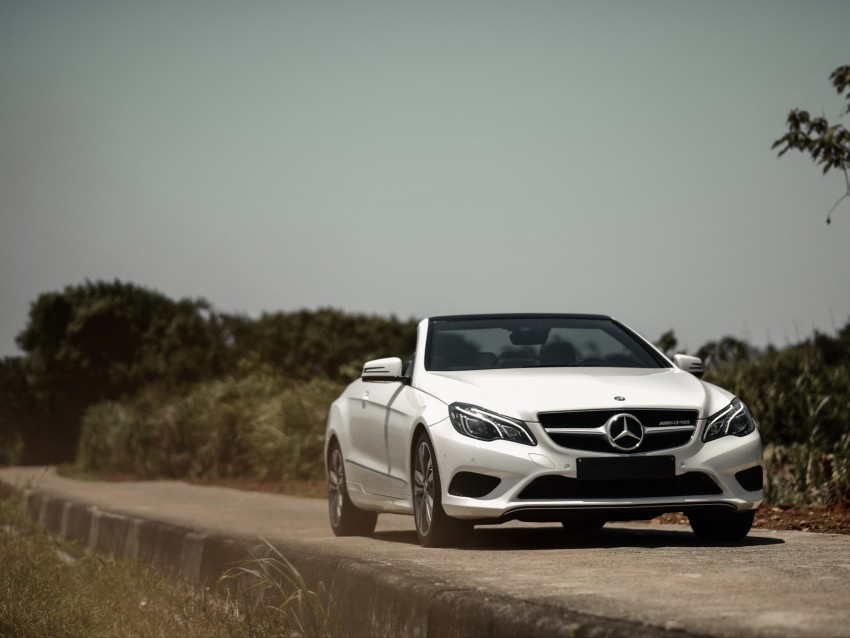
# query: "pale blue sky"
{"points": [[427, 158]]}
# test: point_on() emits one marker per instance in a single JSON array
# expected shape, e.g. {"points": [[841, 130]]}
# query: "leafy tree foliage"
{"points": [[17, 410], [667, 343], [107, 340], [726, 350], [713, 353], [325, 343], [827, 144], [104, 340]]}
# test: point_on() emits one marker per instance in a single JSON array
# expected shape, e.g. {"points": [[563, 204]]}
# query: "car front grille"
{"points": [[584, 430], [554, 487]]}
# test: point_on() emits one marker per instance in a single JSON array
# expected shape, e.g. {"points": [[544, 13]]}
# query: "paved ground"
{"points": [[773, 584]]}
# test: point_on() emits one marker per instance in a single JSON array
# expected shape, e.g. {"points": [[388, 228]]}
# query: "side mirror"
{"points": [[689, 364], [388, 369]]}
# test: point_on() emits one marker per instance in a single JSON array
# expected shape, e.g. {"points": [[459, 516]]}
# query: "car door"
{"points": [[385, 415], [369, 410], [402, 415]]}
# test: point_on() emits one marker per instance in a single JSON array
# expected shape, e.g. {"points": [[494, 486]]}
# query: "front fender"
{"points": [[335, 427]]}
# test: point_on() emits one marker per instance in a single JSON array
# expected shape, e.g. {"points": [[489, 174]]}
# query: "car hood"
{"points": [[523, 393]]}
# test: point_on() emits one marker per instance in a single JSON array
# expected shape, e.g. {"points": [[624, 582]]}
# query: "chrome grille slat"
{"points": [[579, 431], [669, 428], [584, 430]]}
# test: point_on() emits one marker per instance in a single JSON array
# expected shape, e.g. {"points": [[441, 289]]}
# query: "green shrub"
{"points": [[259, 425], [800, 397], [11, 448]]}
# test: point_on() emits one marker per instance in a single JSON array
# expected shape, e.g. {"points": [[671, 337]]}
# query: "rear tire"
{"points": [[434, 527], [732, 527], [346, 518]]}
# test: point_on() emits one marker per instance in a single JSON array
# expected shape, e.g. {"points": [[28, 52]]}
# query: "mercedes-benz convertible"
{"points": [[564, 418]]}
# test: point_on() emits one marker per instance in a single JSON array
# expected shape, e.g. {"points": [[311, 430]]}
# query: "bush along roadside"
{"points": [[107, 341], [258, 425], [800, 396]]}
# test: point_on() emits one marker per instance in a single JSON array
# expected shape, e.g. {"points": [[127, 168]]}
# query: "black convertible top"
{"points": [[519, 315]]}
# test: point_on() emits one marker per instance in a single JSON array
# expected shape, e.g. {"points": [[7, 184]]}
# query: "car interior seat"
{"points": [[557, 353]]}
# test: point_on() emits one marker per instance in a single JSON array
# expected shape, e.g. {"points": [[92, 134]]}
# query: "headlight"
{"points": [[482, 424], [734, 419]]}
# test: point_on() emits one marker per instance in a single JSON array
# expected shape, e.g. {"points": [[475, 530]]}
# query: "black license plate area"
{"points": [[626, 468]]}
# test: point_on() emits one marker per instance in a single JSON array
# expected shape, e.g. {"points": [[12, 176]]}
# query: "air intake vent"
{"points": [[472, 484], [751, 479], [563, 488]]}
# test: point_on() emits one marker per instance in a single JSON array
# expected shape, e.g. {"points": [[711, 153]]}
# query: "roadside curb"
{"points": [[371, 598]]}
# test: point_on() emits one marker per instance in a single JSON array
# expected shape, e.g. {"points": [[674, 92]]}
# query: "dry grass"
{"points": [[272, 584], [53, 588]]}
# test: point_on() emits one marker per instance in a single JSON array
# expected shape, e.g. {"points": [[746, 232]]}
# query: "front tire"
{"points": [[434, 527], [346, 518], [720, 529]]}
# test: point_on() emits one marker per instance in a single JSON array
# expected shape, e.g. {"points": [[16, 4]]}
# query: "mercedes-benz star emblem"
{"points": [[619, 398], [624, 432]]}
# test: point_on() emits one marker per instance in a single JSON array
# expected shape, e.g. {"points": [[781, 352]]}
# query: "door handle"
{"points": [[364, 399]]}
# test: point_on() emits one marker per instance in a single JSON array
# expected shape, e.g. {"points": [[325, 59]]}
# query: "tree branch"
{"points": [[840, 199]]}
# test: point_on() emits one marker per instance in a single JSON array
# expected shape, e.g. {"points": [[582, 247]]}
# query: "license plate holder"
{"points": [[625, 468]]}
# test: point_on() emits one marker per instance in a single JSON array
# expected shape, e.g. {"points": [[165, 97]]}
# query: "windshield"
{"points": [[489, 342]]}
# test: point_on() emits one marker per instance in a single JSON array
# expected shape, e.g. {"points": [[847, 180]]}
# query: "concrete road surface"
{"points": [[660, 576]]}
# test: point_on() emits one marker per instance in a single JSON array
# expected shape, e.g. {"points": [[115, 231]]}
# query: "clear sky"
{"points": [[427, 158]]}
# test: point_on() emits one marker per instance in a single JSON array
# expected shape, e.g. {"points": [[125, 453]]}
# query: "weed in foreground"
{"points": [[50, 587], [274, 584]]}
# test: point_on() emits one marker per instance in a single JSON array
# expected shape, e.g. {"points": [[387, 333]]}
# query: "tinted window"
{"points": [[534, 342]]}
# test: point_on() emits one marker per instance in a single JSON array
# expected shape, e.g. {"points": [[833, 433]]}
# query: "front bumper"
{"points": [[541, 482]]}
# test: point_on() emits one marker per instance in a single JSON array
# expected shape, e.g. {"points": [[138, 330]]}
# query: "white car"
{"points": [[539, 417]]}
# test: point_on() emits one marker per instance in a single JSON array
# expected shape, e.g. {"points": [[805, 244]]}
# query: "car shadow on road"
{"points": [[611, 536]]}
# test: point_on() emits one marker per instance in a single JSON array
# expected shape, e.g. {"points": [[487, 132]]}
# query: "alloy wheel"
{"points": [[423, 488], [336, 487]]}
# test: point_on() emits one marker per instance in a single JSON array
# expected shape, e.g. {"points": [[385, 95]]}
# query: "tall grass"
{"points": [[801, 399], [53, 588], [807, 474], [273, 584], [259, 425]]}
